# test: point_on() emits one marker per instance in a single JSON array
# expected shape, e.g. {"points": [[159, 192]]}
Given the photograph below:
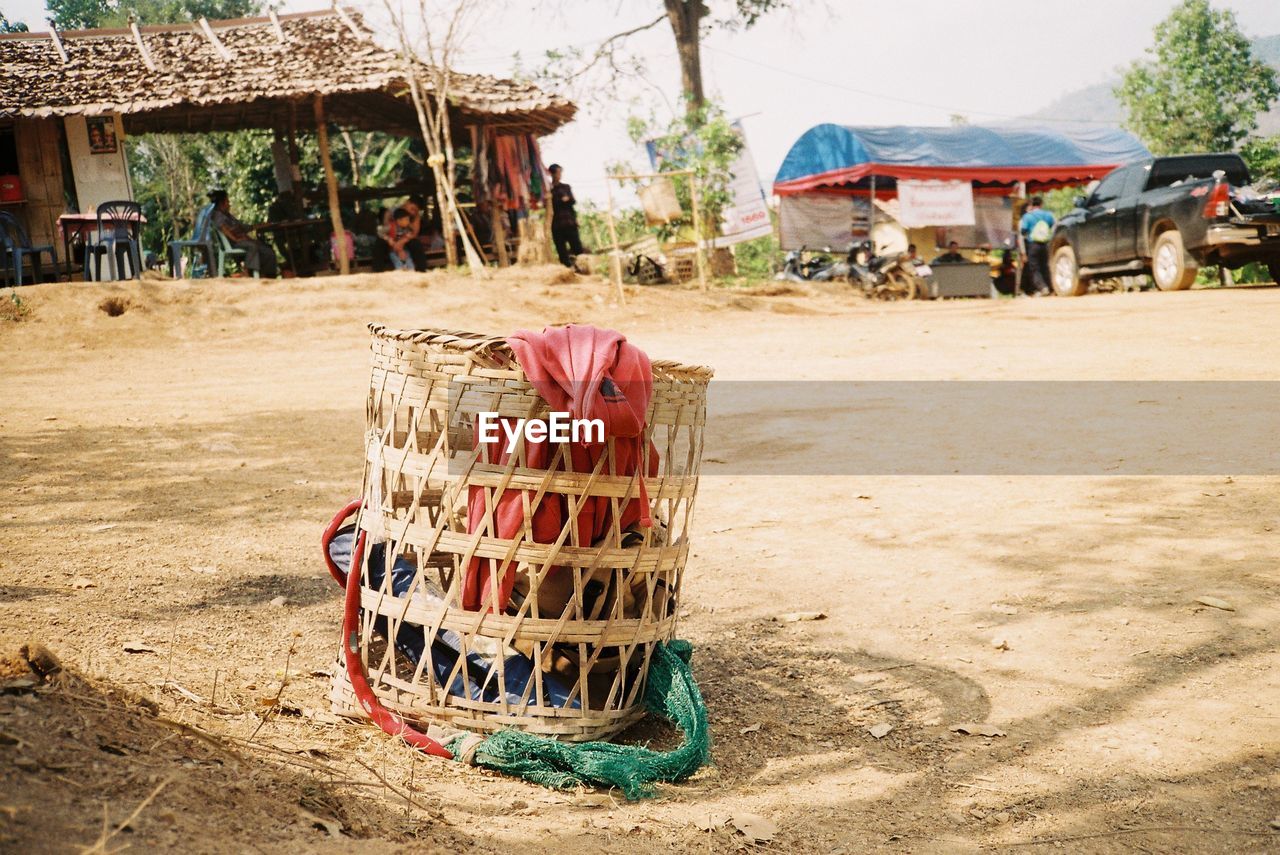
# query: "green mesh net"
{"points": [[671, 692]]}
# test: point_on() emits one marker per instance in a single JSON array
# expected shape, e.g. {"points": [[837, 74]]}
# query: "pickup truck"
{"points": [[1167, 217]]}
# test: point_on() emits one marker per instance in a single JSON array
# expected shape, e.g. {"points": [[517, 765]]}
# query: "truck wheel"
{"points": [[1171, 267], [1273, 267], [1065, 273]]}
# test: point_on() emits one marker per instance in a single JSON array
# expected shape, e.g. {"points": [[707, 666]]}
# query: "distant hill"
{"points": [[1097, 103]]}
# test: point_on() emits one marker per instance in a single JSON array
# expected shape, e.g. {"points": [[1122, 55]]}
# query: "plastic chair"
{"points": [[117, 240], [17, 246], [226, 252], [201, 239]]}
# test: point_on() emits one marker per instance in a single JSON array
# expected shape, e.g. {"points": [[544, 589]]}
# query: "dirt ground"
{"points": [[166, 473]]}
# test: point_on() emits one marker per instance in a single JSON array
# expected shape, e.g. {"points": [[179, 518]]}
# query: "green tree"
{"points": [[1263, 156], [7, 26], [1202, 89], [77, 14], [91, 14], [705, 142]]}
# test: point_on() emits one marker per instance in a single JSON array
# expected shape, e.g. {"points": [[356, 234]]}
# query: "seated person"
{"points": [[259, 257], [392, 243], [951, 256], [398, 242], [1006, 278]]}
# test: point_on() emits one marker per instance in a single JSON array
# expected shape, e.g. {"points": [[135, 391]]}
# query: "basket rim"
{"points": [[496, 347]]}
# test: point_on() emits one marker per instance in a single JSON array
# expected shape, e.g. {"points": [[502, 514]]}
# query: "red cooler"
{"points": [[10, 188]]}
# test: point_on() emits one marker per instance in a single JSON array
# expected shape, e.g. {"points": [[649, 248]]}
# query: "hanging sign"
{"points": [[748, 216], [935, 203]]}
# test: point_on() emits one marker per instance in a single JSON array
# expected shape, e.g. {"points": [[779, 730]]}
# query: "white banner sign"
{"points": [[748, 217], [935, 203]]}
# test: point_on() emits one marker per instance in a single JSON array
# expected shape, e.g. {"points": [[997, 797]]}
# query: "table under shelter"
{"points": [[68, 99]]}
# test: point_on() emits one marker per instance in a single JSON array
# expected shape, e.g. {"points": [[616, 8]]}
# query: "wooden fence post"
{"points": [[331, 181], [615, 256]]}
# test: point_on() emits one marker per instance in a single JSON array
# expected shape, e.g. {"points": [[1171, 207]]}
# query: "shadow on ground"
{"points": [[81, 755]]}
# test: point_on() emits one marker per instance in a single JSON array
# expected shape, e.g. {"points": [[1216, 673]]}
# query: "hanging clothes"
{"points": [[518, 176], [589, 373]]}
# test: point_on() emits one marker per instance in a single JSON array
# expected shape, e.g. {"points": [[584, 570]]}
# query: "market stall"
{"points": [[930, 186]]}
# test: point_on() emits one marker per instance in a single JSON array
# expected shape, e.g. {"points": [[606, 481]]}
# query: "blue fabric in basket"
{"points": [[483, 682]]}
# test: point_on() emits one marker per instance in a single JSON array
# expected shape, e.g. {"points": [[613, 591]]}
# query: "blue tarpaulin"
{"points": [[836, 157]]}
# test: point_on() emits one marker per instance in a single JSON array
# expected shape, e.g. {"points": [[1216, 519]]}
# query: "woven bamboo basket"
{"points": [[586, 617]]}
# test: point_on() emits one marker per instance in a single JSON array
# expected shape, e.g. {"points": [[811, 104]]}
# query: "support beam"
{"points": [[701, 256], [615, 252], [280, 163], [275, 25], [57, 43], [213, 40], [331, 182], [142, 46], [475, 241], [346, 19], [295, 156], [498, 227]]}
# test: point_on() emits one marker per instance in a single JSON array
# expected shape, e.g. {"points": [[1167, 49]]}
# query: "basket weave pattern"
{"points": [[588, 615]]}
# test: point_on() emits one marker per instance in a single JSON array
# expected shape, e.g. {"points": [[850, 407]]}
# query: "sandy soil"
{"points": [[166, 474]]}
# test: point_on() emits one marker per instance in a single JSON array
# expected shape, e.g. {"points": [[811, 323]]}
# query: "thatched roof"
{"points": [[253, 72]]}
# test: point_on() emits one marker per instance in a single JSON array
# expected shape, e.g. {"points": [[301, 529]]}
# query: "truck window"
{"points": [[1110, 188], [1136, 181], [1168, 170]]}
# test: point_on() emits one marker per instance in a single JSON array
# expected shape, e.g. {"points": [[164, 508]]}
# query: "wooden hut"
{"points": [[68, 99]]}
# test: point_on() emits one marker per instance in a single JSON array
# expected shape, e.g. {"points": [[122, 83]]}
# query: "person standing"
{"points": [[564, 220], [259, 257], [1036, 226]]}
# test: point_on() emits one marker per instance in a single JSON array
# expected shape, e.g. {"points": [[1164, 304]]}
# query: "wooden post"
{"points": [[871, 221], [548, 239], [615, 259], [295, 157], [498, 226], [331, 181], [447, 229], [281, 165], [701, 255]]}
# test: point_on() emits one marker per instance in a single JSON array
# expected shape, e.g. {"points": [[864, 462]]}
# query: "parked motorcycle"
{"points": [[881, 277], [884, 277], [792, 267], [820, 268]]}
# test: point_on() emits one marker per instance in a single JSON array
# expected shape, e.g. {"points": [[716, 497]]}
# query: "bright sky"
{"points": [[922, 59]]}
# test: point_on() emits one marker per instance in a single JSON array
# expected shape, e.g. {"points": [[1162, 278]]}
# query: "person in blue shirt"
{"points": [[1036, 226]]}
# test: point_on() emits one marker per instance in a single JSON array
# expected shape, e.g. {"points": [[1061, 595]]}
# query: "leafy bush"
{"points": [[759, 258]]}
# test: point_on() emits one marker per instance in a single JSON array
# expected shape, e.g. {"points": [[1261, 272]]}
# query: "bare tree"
{"points": [[181, 192], [689, 20], [428, 60]]}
